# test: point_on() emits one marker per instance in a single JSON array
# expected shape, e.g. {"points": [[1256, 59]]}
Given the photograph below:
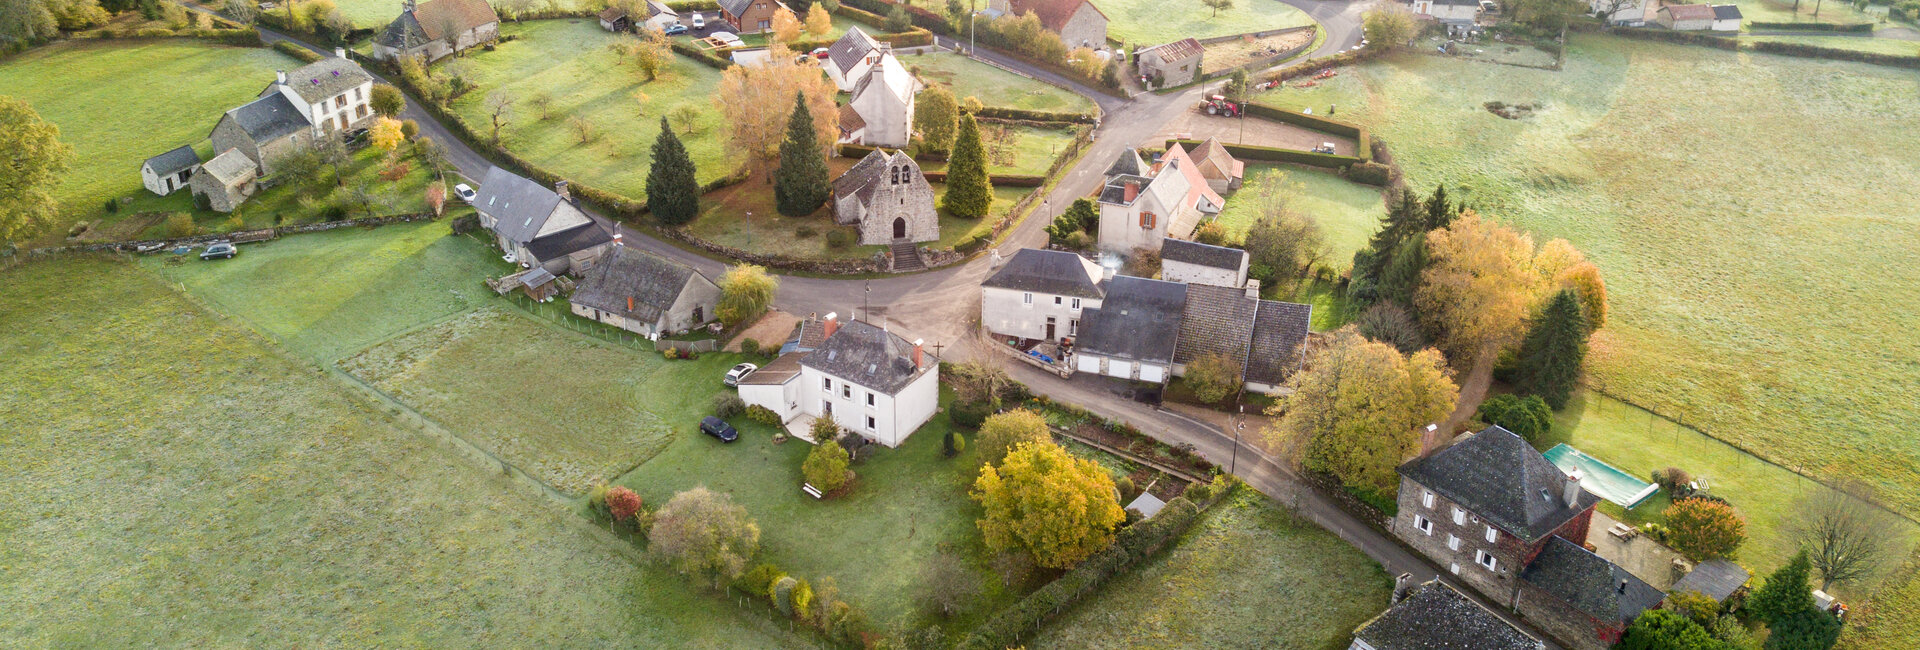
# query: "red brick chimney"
{"points": [[1133, 190], [832, 324], [919, 358], [560, 188]]}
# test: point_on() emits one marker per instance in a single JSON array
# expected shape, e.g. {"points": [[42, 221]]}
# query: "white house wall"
{"points": [[782, 399], [914, 406], [1177, 271], [1005, 313]]}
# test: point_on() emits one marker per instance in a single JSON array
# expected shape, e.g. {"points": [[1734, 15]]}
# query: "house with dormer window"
{"points": [[867, 379]]}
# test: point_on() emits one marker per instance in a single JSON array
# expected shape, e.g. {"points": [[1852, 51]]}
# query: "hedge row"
{"points": [[1134, 544], [1000, 113], [294, 50], [1688, 38], [1317, 123], [1772, 47], [1815, 27], [1247, 152], [694, 52], [921, 18], [915, 37], [998, 180], [240, 37], [694, 5]]}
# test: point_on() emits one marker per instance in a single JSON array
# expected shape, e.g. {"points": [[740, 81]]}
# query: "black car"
{"points": [[718, 428], [356, 139]]}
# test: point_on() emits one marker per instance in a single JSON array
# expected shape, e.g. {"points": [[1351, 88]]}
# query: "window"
{"points": [[1453, 543], [764, 25], [1492, 534], [1056, 300], [826, 384], [846, 391], [1073, 327], [1426, 498], [870, 423], [1076, 304], [1455, 568], [1026, 299], [1486, 559], [1146, 220], [1459, 516], [896, 175], [1424, 524], [871, 399]]}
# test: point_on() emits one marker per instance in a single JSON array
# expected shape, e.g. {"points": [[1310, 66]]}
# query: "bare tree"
{"points": [[951, 585], [1844, 534], [499, 108], [1607, 9]]}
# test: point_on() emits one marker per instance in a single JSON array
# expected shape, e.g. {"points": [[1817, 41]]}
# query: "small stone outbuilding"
{"points": [[1171, 64], [169, 171], [887, 197], [226, 181]]}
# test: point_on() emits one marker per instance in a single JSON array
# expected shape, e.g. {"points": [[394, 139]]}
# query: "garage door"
{"points": [[1089, 363], [1118, 368], [1153, 373]]}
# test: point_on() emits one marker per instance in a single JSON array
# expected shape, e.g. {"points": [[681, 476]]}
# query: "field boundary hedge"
{"points": [[1361, 139], [1801, 50], [1273, 154], [1814, 27]]}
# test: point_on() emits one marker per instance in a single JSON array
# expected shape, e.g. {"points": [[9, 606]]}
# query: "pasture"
{"points": [[1347, 212], [993, 86], [1152, 22]]}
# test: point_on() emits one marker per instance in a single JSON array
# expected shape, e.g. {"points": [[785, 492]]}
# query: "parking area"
{"points": [[1251, 131]]}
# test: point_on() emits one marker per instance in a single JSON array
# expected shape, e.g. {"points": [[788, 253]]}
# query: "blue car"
{"points": [[676, 28]]}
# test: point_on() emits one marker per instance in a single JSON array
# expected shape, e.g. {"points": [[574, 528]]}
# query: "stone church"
{"points": [[889, 199]]}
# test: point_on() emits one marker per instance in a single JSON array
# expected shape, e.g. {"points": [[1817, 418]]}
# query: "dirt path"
{"points": [[1473, 390]]}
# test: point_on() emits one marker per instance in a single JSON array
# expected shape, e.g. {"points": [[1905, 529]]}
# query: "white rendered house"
{"points": [[1040, 295], [868, 380]]}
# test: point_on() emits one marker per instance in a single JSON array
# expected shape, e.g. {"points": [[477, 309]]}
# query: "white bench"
{"points": [[810, 489]]}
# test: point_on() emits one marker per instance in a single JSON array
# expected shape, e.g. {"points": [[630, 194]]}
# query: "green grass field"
{"points": [[993, 86], [1017, 149], [569, 61], [1347, 212], [1152, 22], [1247, 571], [725, 220], [1783, 11], [116, 105], [1753, 295], [1878, 45], [174, 481]]}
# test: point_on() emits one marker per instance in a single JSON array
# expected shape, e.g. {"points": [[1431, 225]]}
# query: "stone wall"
{"points": [[1571, 627], [159, 245], [1498, 583]]}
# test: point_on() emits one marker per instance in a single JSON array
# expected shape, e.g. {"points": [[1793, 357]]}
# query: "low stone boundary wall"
{"points": [[158, 245]]}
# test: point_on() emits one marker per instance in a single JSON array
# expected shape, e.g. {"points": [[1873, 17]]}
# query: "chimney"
{"points": [[340, 52], [1133, 190], [409, 6], [629, 303], [1401, 585], [1429, 440], [560, 188], [919, 358], [280, 77], [1572, 492], [616, 239], [1253, 289], [832, 324], [1106, 273], [1622, 588]]}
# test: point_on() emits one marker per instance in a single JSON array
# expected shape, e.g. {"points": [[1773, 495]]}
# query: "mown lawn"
{"points": [[327, 296], [174, 481], [1782, 11], [1757, 297], [1247, 571], [1016, 149], [570, 61], [744, 216], [1152, 22], [1878, 45], [1347, 212], [993, 86], [118, 103]]}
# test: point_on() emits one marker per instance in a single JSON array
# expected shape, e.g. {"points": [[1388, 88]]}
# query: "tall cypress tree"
{"points": [[800, 185], [1402, 219], [673, 196], [1402, 272], [1440, 211], [969, 190], [1785, 593], [1555, 346]]}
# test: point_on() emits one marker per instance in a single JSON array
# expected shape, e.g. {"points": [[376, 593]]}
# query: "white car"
{"points": [[738, 373], [699, 21], [464, 193]]}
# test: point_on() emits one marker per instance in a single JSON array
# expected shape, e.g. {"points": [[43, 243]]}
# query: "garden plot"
{"points": [[1348, 212], [1258, 132], [566, 410], [1228, 55]]}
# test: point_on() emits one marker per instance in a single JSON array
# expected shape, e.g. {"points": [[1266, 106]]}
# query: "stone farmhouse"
{"points": [[1041, 295], [888, 199], [1078, 22], [1171, 64], [1196, 263], [437, 29], [537, 226], [317, 100], [868, 380], [1504, 520], [644, 293], [1141, 206], [226, 181], [1434, 615], [750, 16], [169, 171], [880, 114]]}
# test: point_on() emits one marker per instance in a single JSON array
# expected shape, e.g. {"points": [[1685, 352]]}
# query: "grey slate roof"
{"points": [[1192, 252], [428, 22], [1434, 616], [1726, 12], [325, 78], [521, 205], [1115, 191], [652, 283], [1128, 163], [269, 118], [735, 7], [1217, 320], [569, 241], [229, 166], [1499, 477], [850, 49], [777, 372], [173, 161], [1138, 320], [863, 177], [1715, 578], [1590, 583], [1147, 505], [1278, 331], [809, 334], [1044, 271], [869, 356]]}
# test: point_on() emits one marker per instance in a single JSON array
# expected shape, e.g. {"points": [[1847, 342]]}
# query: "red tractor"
{"points": [[1220, 105]]}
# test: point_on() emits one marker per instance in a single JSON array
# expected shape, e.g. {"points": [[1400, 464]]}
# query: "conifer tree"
{"points": [[1785, 593], [969, 191], [673, 196], [800, 185], [1551, 355]]}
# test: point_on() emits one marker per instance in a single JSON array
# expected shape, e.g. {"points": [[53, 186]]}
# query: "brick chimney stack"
{"points": [[919, 357], [832, 324], [1133, 190], [560, 188]]}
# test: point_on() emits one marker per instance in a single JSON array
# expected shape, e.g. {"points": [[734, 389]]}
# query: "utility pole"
{"points": [[972, 18], [866, 295], [1234, 464]]}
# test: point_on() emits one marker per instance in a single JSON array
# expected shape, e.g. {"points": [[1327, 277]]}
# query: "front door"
{"points": [[698, 315], [899, 228], [1049, 328]]}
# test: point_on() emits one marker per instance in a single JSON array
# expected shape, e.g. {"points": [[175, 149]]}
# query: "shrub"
{"points": [[760, 580], [622, 503], [839, 238], [180, 224], [782, 594], [749, 346], [1672, 479], [728, 405], [670, 353], [805, 232], [824, 429], [826, 466], [1703, 529], [1527, 416], [763, 415], [1370, 173], [969, 414], [112, 206], [952, 444]]}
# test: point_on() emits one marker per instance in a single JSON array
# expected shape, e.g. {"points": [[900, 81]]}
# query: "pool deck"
{"points": [[1641, 556]]}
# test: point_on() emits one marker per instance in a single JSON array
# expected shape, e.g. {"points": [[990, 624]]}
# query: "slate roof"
{"points": [[735, 7], [1129, 163], [869, 356], [1147, 505], [1139, 320], [863, 177], [776, 372], [269, 118], [569, 241], [809, 334], [1499, 477], [1590, 583], [321, 80], [173, 161], [634, 284], [1185, 48], [1726, 12], [1192, 252], [229, 166], [1177, 160], [1434, 616], [1689, 12], [520, 205], [891, 77], [1053, 14], [1715, 578], [1115, 191], [608, 15], [850, 120], [428, 21], [1217, 320], [850, 49], [1050, 272], [1278, 331]]}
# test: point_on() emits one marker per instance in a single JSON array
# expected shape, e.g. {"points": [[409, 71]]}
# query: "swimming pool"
{"points": [[1600, 478]]}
